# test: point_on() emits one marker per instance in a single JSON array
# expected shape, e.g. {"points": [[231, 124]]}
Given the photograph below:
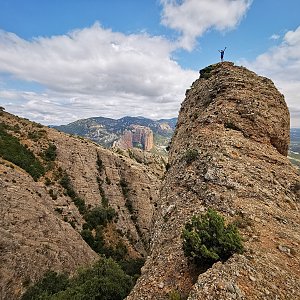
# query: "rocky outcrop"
{"points": [[33, 237], [142, 135], [236, 124], [125, 141], [39, 222], [137, 136], [155, 162]]}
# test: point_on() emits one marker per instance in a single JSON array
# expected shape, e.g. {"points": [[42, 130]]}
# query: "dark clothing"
{"points": [[222, 53]]}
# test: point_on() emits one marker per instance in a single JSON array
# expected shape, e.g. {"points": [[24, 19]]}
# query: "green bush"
{"points": [[80, 204], [119, 252], [99, 162], [65, 182], [104, 199], [191, 155], [36, 135], [105, 280], [174, 295], [206, 72], [99, 216], [97, 243], [125, 191], [12, 150], [88, 237], [206, 239], [128, 204], [50, 284], [132, 266], [50, 153], [124, 187]]}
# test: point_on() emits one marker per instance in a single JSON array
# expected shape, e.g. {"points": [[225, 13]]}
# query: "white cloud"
{"points": [[192, 18], [282, 65], [275, 37], [93, 70]]}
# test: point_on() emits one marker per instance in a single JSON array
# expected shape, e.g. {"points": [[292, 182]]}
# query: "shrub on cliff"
{"points": [[104, 280], [99, 216], [12, 150], [50, 284], [206, 239], [66, 183], [206, 72], [50, 153], [191, 155]]}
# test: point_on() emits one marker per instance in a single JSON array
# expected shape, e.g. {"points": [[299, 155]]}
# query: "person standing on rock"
{"points": [[222, 53]]}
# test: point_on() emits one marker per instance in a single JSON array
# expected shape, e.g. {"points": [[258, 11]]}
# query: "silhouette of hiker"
{"points": [[222, 53]]}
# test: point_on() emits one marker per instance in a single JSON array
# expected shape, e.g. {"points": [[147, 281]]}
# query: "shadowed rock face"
{"points": [[238, 123]]}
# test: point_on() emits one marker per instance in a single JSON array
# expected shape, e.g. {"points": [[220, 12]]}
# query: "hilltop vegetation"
{"points": [[12, 150]]}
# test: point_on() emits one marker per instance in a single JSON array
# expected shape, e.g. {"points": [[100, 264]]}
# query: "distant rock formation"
{"points": [[237, 125], [137, 136], [107, 132], [125, 141]]}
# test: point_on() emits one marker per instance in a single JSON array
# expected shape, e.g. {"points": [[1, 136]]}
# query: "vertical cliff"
{"points": [[229, 153], [137, 136]]}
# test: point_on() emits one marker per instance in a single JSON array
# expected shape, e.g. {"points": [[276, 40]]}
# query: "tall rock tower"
{"points": [[236, 124]]}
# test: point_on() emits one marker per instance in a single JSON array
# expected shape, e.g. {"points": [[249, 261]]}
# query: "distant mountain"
{"points": [[295, 140], [295, 135], [294, 153], [106, 131]]}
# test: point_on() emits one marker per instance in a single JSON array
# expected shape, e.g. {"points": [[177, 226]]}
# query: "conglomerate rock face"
{"points": [[33, 238], [236, 124]]}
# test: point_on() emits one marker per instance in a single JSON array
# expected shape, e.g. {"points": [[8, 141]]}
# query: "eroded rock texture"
{"points": [[238, 123]]}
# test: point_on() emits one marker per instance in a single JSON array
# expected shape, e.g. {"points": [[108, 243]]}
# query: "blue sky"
{"points": [[65, 60]]}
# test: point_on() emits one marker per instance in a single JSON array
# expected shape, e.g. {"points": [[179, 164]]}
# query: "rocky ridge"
{"points": [[40, 224], [236, 124]]}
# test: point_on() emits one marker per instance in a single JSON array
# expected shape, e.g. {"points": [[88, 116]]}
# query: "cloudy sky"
{"points": [[65, 60]]}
